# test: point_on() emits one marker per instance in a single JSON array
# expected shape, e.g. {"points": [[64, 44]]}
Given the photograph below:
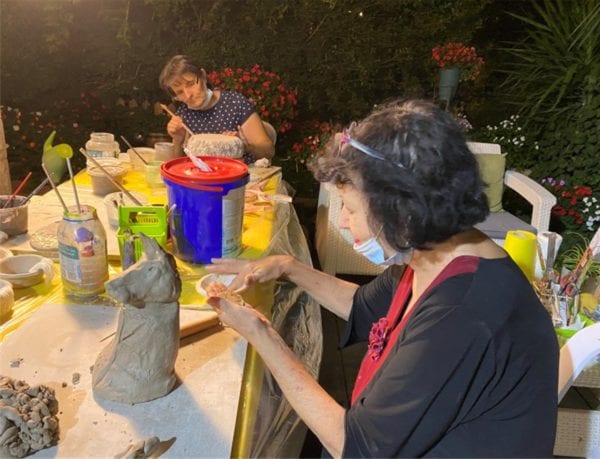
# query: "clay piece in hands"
{"points": [[138, 365], [28, 421]]}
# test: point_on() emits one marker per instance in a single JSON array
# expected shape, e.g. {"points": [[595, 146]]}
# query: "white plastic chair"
{"points": [[541, 200], [334, 245], [578, 431]]}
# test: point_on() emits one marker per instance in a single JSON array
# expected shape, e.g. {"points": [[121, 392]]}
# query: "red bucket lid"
{"points": [[224, 170]]}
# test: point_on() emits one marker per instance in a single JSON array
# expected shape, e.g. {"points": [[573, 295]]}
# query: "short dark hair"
{"points": [[434, 190], [175, 68]]}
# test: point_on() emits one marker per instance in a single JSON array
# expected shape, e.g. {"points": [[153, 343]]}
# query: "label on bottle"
{"points": [[232, 215], [70, 268]]}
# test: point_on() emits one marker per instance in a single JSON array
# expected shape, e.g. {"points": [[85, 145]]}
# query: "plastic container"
{"points": [[150, 220], [82, 253], [207, 207], [136, 163], [13, 219], [102, 145], [152, 173], [164, 151]]}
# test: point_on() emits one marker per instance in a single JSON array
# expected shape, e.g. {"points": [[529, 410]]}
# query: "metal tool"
{"points": [[134, 150], [62, 202], [114, 182]]}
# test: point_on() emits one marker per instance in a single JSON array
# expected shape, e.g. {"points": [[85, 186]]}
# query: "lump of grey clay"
{"points": [[138, 364], [28, 421]]}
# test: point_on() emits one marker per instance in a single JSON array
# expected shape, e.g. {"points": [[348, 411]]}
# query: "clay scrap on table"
{"points": [[140, 450], [138, 364], [28, 419]]}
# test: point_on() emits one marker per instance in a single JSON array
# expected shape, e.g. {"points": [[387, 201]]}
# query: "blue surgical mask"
{"points": [[372, 250]]}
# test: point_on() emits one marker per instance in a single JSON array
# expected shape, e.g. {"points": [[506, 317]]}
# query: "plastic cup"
{"points": [[153, 177], [163, 151]]}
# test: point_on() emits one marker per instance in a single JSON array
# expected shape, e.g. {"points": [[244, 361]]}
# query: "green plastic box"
{"points": [[150, 220]]}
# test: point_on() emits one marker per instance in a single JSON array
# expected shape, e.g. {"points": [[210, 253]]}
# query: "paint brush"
{"points": [[35, 191], [62, 202], [16, 192], [166, 109]]}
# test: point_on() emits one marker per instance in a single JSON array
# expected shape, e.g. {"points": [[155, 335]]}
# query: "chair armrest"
{"points": [[538, 196]]}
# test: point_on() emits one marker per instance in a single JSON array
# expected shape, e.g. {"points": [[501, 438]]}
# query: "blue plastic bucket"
{"points": [[206, 209]]}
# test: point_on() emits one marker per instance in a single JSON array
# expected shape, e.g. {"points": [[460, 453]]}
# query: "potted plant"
{"points": [[457, 62]]}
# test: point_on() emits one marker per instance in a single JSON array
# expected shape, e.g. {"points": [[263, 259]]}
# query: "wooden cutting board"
{"points": [[58, 341]]}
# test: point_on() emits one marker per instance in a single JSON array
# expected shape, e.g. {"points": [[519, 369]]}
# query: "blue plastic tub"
{"points": [[206, 208]]}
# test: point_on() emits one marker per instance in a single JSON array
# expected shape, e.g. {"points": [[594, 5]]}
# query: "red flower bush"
{"points": [[274, 102], [575, 206], [456, 54], [317, 135]]}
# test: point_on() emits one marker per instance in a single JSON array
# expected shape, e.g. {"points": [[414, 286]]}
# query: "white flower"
{"points": [[16, 127], [38, 113]]}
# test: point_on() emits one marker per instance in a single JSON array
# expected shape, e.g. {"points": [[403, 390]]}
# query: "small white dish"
{"points": [[203, 283], [112, 201], [17, 270]]}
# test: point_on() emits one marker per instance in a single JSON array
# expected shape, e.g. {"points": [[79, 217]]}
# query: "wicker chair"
{"points": [[334, 245], [541, 200], [578, 431]]}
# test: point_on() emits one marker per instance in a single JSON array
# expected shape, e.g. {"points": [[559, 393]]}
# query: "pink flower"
{"points": [[378, 337]]}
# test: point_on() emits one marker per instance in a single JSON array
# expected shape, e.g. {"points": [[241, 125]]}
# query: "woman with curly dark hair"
{"points": [[462, 358]]}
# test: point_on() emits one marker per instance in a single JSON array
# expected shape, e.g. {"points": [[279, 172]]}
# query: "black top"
{"points": [[473, 373]]}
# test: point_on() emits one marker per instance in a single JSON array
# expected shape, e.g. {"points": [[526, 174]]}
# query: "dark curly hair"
{"points": [[426, 186]]}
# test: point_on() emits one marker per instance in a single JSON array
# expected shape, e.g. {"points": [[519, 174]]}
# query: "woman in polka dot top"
{"points": [[206, 111]]}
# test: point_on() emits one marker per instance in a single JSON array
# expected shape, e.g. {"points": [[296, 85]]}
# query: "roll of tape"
{"points": [[522, 246]]}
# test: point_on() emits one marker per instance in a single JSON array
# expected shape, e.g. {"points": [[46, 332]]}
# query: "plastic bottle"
{"points": [[82, 254]]}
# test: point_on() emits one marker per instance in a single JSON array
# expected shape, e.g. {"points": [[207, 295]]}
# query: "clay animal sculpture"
{"points": [[138, 364]]}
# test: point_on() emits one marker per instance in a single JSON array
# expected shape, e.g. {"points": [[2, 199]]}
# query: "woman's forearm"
{"points": [[320, 412], [332, 293], [261, 150]]}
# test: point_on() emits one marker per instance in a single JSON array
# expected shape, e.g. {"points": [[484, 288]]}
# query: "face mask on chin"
{"points": [[207, 99], [372, 250]]}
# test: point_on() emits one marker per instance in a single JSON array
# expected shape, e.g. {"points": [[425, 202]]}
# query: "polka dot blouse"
{"points": [[231, 111]]}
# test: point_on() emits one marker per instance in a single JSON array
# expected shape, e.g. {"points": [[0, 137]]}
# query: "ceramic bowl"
{"points": [[101, 184], [113, 200], [13, 220], [16, 270], [203, 283]]}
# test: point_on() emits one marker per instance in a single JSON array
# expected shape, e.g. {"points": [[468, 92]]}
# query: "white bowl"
{"points": [[112, 201], [136, 163], [16, 270], [203, 283]]}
